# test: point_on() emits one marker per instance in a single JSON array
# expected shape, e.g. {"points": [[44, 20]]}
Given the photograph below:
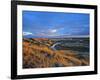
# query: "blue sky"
{"points": [[53, 24]]}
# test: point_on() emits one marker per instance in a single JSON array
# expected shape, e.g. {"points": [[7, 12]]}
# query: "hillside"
{"points": [[38, 54]]}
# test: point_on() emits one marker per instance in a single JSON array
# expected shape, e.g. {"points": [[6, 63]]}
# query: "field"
{"points": [[55, 52]]}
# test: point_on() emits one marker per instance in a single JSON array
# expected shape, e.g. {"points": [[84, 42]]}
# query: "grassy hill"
{"points": [[38, 54]]}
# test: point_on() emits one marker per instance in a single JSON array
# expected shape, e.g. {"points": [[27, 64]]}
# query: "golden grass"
{"points": [[35, 56]]}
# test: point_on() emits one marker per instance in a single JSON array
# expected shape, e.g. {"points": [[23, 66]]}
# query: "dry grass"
{"points": [[41, 56]]}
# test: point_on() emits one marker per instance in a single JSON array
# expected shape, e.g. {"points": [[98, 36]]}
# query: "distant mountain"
{"points": [[61, 36], [73, 36]]}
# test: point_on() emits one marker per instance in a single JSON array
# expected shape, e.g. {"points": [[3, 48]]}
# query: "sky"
{"points": [[54, 24]]}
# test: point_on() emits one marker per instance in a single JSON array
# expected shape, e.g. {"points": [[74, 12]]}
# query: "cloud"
{"points": [[27, 33], [48, 32], [53, 31]]}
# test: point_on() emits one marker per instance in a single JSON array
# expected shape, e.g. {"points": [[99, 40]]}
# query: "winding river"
{"points": [[53, 46]]}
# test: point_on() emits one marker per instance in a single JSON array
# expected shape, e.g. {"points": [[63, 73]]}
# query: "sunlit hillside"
{"points": [[38, 54]]}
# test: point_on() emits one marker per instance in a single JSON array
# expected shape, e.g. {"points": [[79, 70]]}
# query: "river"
{"points": [[53, 46]]}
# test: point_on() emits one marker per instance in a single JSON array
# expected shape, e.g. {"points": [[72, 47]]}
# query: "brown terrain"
{"points": [[38, 54]]}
